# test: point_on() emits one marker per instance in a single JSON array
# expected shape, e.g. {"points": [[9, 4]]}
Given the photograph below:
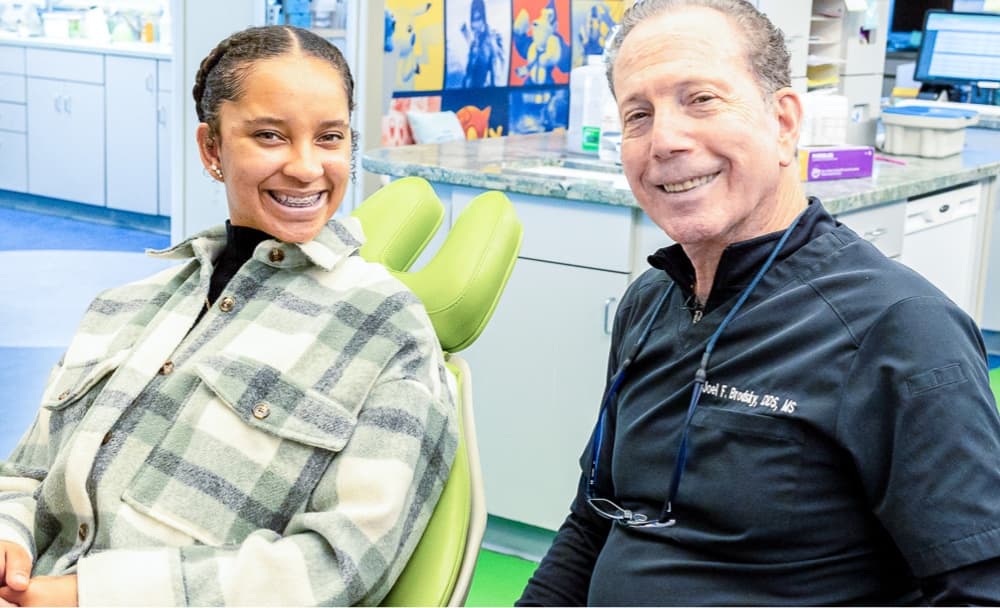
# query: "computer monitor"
{"points": [[906, 17], [959, 49]]}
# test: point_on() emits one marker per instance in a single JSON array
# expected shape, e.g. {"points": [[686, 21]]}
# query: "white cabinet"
{"points": [[66, 140], [539, 368], [131, 101], [164, 110], [91, 126], [942, 242], [792, 18], [13, 165], [13, 120], [538, 373]]}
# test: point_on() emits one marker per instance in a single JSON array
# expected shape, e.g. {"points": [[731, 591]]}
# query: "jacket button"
{"points": [[227, 303], [261, 411], [82, 532], [276, 255], [167, 368]]}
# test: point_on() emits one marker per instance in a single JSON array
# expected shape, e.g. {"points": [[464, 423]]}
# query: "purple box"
{"points": [[819, 163]]}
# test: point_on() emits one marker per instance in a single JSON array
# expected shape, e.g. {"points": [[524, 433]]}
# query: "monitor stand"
{"points": [[936, 92]]}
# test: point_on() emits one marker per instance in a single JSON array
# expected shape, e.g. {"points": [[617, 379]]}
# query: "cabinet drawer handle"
{"points": [[149, 83], [944, 208], [55, 102], [161, 116], [872, 235], [68, 105], [609, 315]]}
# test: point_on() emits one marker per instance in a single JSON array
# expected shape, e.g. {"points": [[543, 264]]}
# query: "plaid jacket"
{"points": [[287, 449]]}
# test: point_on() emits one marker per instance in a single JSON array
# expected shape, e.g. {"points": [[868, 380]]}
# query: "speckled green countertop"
{"points": [[539, 165]]}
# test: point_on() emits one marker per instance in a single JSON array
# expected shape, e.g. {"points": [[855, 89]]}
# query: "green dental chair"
{"points": [[460, 287]]}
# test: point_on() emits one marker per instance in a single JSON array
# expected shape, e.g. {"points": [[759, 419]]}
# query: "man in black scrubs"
{"points": [[790, 417]]}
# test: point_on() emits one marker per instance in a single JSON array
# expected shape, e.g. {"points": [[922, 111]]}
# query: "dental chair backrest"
{"points": [[460, 287]]}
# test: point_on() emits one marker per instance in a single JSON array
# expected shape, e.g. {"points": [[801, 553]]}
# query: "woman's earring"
{"points": [[216, 170]]}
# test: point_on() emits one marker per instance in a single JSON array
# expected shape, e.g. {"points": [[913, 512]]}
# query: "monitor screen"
{"points": [[959, 48]]}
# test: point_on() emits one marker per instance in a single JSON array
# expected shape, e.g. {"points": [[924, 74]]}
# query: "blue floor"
{"points": [[26, 230], [61, 263]]}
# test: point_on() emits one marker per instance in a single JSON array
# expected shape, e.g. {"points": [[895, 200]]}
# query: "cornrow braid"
{"points": [[223, 71]]}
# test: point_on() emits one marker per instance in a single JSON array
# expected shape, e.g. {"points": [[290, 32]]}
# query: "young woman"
{"points": [[269, 422]]}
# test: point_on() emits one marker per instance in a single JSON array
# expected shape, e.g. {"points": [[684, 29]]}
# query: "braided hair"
{"points": [[224, 70]]}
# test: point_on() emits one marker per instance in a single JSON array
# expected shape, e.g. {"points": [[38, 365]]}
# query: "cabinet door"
{"points": [[66, 140], [163, 155], [793, 19], [13, 169], [132, 132], [538, 373]]}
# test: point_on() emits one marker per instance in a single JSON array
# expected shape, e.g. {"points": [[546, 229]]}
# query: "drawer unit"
{"points": [[13, 88], [11, 59], [65, 65], [13, 117], [882, 226]]}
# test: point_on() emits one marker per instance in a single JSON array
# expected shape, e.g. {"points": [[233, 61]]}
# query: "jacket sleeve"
{"points": [[20, 476], [351, 540]]}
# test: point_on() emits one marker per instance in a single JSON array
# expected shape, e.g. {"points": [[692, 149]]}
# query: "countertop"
{"points": [[127, 49], [539, 165]]}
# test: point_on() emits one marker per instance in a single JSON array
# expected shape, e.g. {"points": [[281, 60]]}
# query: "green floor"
{"points": [[995, 384], [499, 579]]}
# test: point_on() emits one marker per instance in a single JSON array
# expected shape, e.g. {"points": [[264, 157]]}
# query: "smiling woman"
{"points": [[269, 422]]}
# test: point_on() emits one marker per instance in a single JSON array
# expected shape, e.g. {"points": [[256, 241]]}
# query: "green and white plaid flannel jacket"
{"points": [[288, 449]]}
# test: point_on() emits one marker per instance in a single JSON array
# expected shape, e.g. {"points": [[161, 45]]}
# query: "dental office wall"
{"points": [[501, 65]]}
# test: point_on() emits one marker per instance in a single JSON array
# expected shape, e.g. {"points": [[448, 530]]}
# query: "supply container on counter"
{"points": [[928, 131], [588, 86]]}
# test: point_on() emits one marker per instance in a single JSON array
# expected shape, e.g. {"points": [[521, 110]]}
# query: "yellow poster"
{"points": [[414, 38]]}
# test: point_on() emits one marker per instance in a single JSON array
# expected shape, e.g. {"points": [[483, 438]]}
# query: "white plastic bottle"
{"points": [[610, 148], [587, 84]]}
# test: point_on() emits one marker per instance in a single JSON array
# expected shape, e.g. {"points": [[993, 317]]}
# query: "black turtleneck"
{"points": [[240, 244]]}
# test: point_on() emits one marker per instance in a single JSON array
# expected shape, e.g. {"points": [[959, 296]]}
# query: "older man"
{"points": [[790, 418]]}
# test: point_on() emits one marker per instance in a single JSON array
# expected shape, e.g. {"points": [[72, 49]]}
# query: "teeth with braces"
{"points": [[297, 201], [688, 184]]}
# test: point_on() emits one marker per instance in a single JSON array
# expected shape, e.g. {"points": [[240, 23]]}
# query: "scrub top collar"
{"points": [[740, 261]]}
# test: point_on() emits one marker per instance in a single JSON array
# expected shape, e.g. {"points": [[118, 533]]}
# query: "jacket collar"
{"points": [[339, 239], [740, 261]]}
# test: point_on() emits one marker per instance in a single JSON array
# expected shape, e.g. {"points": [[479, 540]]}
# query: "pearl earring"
{"points": [[216, 170]]}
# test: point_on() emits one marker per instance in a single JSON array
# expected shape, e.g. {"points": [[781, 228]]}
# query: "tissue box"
{"points": [[928, 131], [817, 163]]}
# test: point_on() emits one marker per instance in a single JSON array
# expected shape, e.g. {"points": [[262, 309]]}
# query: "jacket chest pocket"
{"points": [[244, 453], [70, 392]]}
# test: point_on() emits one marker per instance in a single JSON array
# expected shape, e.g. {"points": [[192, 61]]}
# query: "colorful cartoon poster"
{"points": [[593, 23], [414, 39], [541, 52], [538, 110], [482, 113], [395, 126], [478, 43]]}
